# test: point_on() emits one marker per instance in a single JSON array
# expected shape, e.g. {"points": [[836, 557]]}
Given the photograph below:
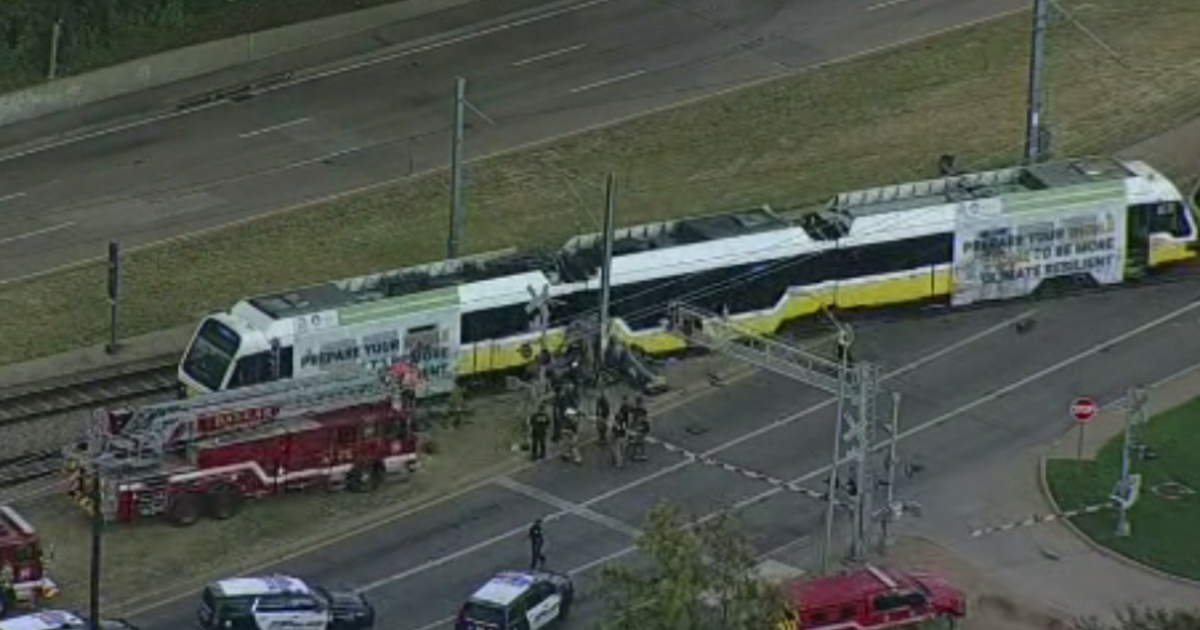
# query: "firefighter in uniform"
{"points": [[602, 413], [639, 428], [620, 433], [539, 422], [571, 436], [8, 592]]}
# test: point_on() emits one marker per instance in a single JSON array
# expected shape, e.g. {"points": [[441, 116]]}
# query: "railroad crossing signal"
{"points": [[1084, 410]]}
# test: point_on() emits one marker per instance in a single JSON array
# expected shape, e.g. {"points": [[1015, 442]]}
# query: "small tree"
{"points": [[698, 578], [1134, 618]]}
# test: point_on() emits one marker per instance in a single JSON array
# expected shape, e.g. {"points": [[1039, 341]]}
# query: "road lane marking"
{"points": [[553, 53], [45, 230], [884, 5], [259, 132], [442, 43], [609, 81], [564, 505], [11, 197], [641, 481]]}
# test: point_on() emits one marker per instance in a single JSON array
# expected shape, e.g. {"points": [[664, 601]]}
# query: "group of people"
{"points": [[622, 434]]}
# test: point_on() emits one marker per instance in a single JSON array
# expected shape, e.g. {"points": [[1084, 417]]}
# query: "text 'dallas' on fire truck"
{"points": [[203, 456], [23, 581]]}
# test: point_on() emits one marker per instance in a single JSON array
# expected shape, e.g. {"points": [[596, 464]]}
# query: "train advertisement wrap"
{"points": [[1001, 255], [429, 347]]}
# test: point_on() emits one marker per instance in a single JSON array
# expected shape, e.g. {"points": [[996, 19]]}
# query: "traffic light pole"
{"points": [[114, 293], [97, 533]]}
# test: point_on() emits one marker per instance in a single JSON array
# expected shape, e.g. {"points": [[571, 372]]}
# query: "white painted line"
{"points": [[450, 41], [551, 54], [884, 5], [641, 481], [291, 123], [623, 77], [564, 505], [45, 230], [11, 197], [99, 133]]}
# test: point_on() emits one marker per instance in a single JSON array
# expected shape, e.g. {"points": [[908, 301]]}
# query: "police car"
{"points": [[280, 601], [518, 600], [60, 620]]}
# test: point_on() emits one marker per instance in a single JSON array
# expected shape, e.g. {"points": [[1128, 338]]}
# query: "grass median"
{"points": [[877, 119], [1165, 516]]}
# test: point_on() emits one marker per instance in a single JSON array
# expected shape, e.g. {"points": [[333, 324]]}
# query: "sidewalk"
{"points": [[1049, 562]]}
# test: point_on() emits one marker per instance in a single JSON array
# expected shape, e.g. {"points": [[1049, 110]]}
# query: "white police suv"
{"points": [[281, 602], [60, 620], [518, 600]]}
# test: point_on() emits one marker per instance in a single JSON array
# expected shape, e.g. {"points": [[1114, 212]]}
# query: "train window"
{"points": [[496, 323], [893, 256], [1168, 218], [251, 369]]}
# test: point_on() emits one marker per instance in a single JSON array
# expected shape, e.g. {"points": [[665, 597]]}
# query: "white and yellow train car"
{"points": [[990, 235]]}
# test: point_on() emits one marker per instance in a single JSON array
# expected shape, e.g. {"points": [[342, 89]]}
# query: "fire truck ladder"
{"points": [[150, 430], [856, 388]]}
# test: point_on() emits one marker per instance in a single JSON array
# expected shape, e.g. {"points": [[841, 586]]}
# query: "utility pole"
{"points": [[856, 388], [456, 175], [889, 511], [55, 38], [114, 293], [97, 532], [610, 210], [1034, 134], [1135, 410]]}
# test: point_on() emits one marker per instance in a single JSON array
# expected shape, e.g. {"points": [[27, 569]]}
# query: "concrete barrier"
{"points": [[201, 59]]}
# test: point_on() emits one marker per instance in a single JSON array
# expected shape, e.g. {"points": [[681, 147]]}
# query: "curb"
{"points": [[1048, 496]]}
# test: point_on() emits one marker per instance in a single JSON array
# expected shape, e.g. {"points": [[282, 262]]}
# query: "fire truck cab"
{"points": [[873, 598], [23, 582]]}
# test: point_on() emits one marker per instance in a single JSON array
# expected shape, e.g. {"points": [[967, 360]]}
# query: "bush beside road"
{"points": [[1163, 522], [797, 139]]}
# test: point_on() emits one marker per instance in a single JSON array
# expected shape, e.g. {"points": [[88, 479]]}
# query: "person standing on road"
{"points": [[538, 424], [536, 542], [559, 411], [571, 437], [602, 413], [638, 430], [620, 433]]}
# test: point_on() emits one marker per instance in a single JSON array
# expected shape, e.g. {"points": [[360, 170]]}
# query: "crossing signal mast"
{"points": [[856, 386]]}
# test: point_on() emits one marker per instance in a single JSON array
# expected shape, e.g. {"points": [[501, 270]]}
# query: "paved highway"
{"points": [[974, 389], [534, 78]]}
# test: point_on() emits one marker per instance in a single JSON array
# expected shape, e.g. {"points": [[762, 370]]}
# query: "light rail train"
{"points": [[964, 238]]}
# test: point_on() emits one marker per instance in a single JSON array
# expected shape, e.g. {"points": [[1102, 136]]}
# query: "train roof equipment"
{"points": [[147, 433]]}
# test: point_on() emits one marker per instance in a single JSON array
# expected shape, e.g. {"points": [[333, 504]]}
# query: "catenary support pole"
{"points": [[114, 293], [1037, 60], [831, 502], [456, 174], [55, 41], [610, 210], [892, 463], [97, 533]]}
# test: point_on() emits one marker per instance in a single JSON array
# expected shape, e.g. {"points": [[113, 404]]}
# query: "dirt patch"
{"points": [[989, 605]]}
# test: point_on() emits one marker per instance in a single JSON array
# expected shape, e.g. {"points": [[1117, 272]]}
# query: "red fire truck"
{"points": [[203, 456], [873, 598], [21, 564]]}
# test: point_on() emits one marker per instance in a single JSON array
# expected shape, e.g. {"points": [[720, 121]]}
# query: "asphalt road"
{"points": [[385, 118], [973, 387]]}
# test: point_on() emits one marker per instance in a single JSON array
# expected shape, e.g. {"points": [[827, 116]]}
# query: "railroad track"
{"points": [[15, 471], [40, 402]]}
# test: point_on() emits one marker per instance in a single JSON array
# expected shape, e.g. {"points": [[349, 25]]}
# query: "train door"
{"points": [[1137, 241]]}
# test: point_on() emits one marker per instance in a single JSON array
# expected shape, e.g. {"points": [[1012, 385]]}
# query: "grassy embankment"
{"points": [[172, 26], [882, 118], [1163, 525]]}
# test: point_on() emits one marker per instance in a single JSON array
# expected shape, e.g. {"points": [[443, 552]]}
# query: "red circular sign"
{"points": [[1084, 409]]}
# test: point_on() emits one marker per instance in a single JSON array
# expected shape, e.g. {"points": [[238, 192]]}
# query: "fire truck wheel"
{"points": [[365, 477], [184, 509], [224, 502]]}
